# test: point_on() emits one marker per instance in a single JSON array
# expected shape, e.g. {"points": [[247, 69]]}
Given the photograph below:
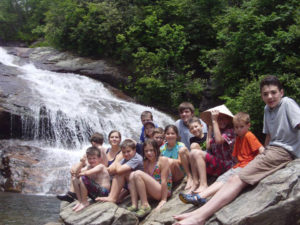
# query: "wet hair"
{"points": [[97, 138], [271, 80], [128, 143], [158, 130], [194, 120], [154, 145], [171, 126], [147, 113], [241, 117], [91, 151], [114, 131], [186, 105]]}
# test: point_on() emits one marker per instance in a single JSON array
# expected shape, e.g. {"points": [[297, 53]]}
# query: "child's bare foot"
{"points": [[76, 206], [200, 189], [182, 216], [105, 199], [189, 184], [82, 206]]}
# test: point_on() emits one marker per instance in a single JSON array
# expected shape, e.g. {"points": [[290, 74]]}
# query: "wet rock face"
{"points": [[19, 167], [53, 60]]}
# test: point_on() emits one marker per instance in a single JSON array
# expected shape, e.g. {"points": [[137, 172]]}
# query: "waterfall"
{"points": [[64, 110]]}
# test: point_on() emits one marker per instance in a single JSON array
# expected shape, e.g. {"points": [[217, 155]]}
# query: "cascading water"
{"points": [[65, 109]]}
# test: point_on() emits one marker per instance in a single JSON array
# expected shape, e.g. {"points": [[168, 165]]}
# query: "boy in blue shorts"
{"points": [[282, 145], [93, 180], [131, 161]]}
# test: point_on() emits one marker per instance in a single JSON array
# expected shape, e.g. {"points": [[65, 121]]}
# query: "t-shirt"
{"points": [[245, 149], [173, 152], [185, 133], [135, 163], [280, 123], [198, 140]]}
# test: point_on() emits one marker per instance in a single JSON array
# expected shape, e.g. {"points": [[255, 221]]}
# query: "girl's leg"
{"points": [[133, 189], [146, 184], [184, 160], [177, 173]]}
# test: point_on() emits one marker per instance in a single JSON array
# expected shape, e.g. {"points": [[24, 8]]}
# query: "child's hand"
{"points": [[82, 173], [215, 115]]}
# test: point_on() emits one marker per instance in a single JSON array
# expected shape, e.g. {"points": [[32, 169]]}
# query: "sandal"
{"points": [[194, 199], [132, 208], [143, 211]]}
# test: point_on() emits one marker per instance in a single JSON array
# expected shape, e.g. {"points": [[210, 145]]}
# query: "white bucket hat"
{"points": [[206, 115]]}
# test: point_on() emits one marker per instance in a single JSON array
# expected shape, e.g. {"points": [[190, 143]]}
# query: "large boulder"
{"points": [[275, 200]]}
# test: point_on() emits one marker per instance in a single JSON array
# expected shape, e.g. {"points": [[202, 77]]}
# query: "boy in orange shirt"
{"points": [[246, 147]]}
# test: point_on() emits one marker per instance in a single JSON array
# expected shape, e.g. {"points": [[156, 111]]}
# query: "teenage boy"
{"points": [[131, 161], [93, 180], [246, 147], [186, 112], [282, 145]]}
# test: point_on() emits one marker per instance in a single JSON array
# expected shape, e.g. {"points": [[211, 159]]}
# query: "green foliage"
{"points": [[173, 49]]}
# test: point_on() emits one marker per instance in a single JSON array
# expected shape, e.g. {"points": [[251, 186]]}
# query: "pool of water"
{"points": [[19, 209]]}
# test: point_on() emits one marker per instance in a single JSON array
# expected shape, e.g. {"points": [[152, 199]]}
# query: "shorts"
{"points": [[215, 166], [93, 188], [271, 160], [225, 176]]}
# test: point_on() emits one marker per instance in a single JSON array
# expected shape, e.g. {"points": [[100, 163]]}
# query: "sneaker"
{"points": [[132, 208], [68, 197], [143, 211]]}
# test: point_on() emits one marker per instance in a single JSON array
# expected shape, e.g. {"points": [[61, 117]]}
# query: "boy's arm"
{"points": [[91, 171], [261, 149], [267, 139], [122, 168], [77, 167]]}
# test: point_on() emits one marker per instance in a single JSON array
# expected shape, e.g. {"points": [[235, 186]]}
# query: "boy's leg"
{"points": [[118, 183], [195, 175], [200, 165], [184, 159], [211, 190], [76, 186], [133, 190], [84, 196], [226, 194]]}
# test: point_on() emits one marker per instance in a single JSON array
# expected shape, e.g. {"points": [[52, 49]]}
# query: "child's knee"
{"points": [[195, 146]]}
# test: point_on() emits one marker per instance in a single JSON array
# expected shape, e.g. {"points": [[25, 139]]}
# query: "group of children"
{"points": [[149, 168]]}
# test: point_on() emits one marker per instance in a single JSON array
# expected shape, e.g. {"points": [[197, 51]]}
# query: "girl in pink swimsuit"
{"points": [[155, 181]]}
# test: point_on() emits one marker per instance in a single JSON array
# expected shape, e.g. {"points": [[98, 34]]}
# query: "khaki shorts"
{"points": [[271, 160]]}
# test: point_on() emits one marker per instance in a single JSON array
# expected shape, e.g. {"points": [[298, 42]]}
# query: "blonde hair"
{"points": [[241, 117]]}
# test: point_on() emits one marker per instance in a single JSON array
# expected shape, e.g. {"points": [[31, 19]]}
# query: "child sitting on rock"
{"points": [[131, 161], [154, 182], [93, 180], [246, 147]]}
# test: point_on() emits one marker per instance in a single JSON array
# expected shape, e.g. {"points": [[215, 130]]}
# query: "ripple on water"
{"points": [[19, 209]]}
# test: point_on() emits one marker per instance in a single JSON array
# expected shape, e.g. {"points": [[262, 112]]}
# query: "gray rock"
{"points": [[275, 200]]}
